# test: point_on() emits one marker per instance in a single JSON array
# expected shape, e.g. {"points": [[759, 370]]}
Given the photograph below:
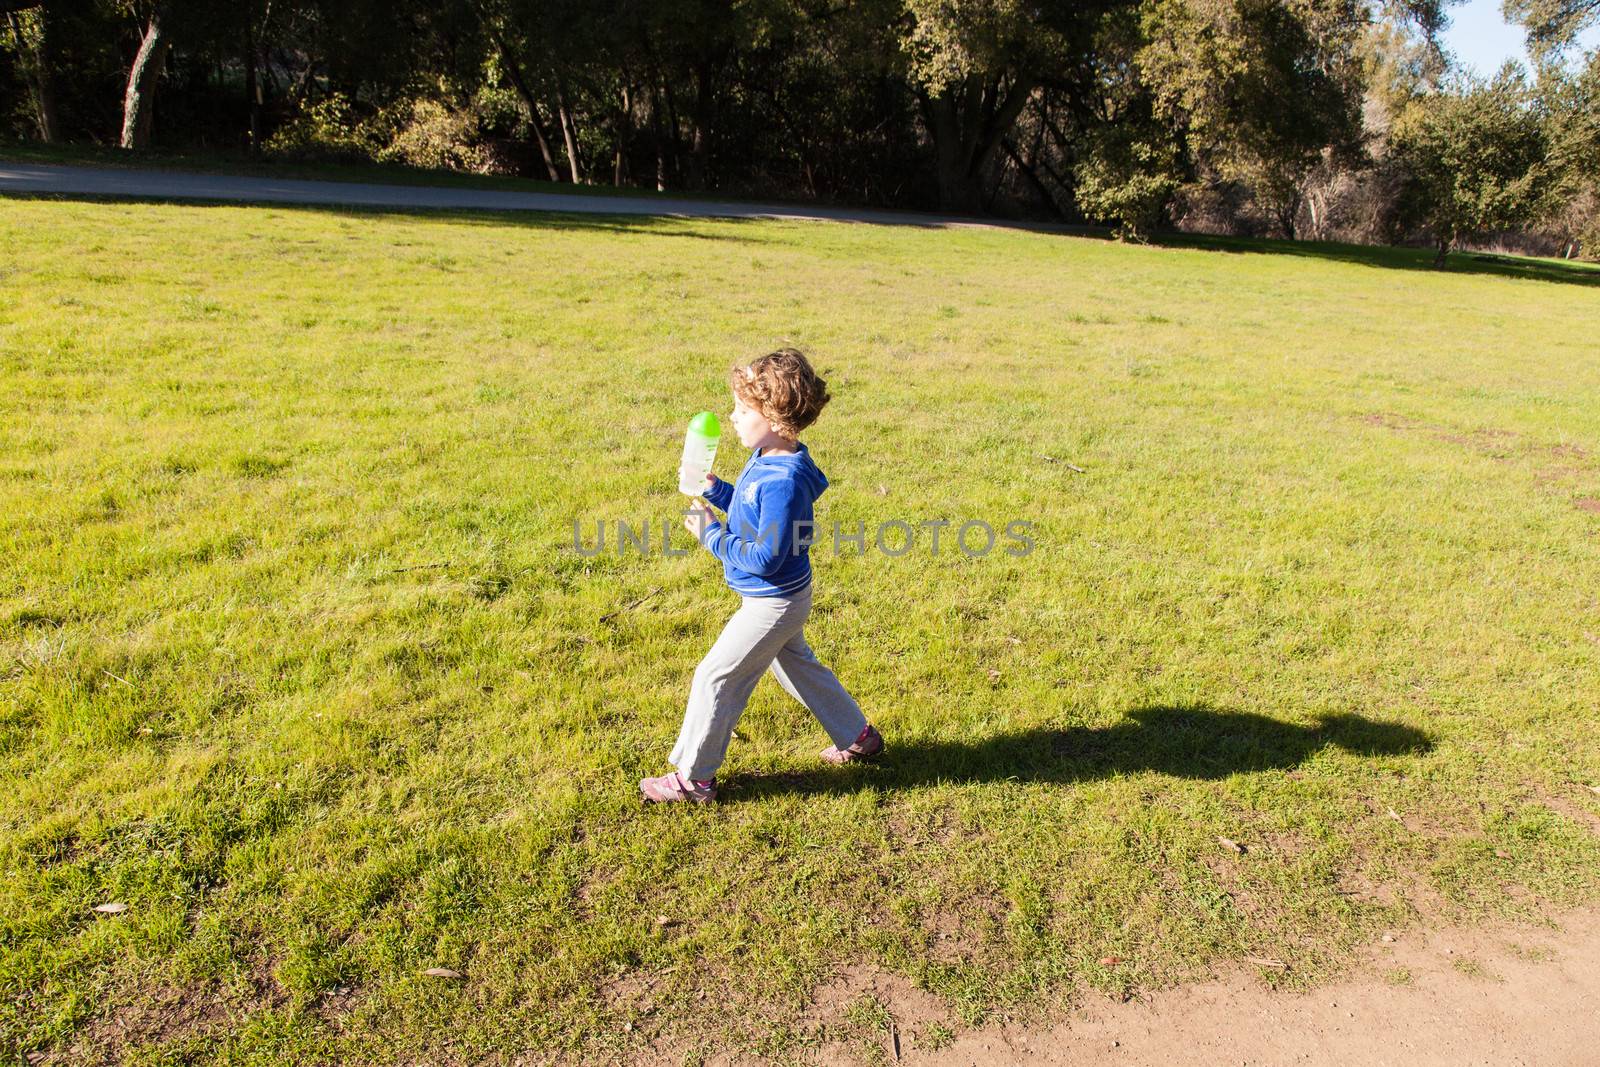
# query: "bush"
{"points": [[1126, 179], [440, 138], [325, 129], [1473, 161], [418, 131]]}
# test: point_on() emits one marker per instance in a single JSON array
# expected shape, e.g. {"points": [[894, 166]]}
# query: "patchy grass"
{"points": [[298, 660], [1471, 968]]}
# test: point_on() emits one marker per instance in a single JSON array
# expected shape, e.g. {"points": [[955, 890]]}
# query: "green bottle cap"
{"points": [[705, 424]]}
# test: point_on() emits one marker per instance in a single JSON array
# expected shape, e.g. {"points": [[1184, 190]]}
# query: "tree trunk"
{"points": [[1444, 250], [1029, 172], [675, 126], [792, 131], [994, 190], [624, 135], [967, 125], [535, 123], [252, 81], [1289, 214], [40, 71], [700, 126], [655, 136], [49, 116], [568, 133], [302, 81], [524, 90], [1041, 159], [138, 105], [955, 193], [544, 143]]}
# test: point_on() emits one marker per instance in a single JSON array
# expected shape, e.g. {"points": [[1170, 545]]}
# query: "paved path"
{"points": [[48, 179]]}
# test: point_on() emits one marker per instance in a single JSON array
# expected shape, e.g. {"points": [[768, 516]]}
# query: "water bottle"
{"points": [[699, 449]]}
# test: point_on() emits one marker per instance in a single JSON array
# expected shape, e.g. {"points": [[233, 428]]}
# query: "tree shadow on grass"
{"points": [[1394, 258], [665, 217], [1194, 742], [704, 228]]}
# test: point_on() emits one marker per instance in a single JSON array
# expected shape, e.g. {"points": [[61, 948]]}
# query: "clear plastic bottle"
{"points": [[699, 450]]}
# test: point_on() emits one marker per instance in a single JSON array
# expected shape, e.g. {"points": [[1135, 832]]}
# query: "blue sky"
{"points": [[1481, 40]]}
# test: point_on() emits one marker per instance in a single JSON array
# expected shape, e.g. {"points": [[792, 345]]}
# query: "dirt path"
{"points": [[1498, 995]]}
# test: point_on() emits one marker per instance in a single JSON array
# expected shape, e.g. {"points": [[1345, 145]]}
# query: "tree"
{"points": [[30, 25], [1258, 89], [157, 19], [1570, 103], [975, 64], [547, 49], [138, 102], [1127, 174], [1552, 25], [1472, 159], [1105, 109]]}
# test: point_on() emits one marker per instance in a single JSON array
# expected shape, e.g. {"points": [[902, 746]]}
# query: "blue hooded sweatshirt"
{"points": [[765, 545]]}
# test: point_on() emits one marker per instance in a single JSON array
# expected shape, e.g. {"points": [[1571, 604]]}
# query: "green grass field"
{"points": [[298, 660]]}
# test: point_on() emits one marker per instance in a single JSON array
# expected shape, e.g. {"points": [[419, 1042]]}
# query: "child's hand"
{"points": [[697, 518], [707, 486]]}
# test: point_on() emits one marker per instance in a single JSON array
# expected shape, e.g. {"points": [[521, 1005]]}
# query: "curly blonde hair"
{"points": [[783, 387]]}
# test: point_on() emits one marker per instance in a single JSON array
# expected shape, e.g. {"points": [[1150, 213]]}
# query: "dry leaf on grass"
{"points": [[1276, 965], [1110, 961], [441, 972], [115, 908]]}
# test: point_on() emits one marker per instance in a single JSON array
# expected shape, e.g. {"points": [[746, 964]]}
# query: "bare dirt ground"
{"points": [[1497, 995]]}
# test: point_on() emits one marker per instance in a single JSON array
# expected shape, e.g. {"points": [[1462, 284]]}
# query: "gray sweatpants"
{"points": [[765, 631]]}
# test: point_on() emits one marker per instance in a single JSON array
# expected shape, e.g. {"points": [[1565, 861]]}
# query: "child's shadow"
{"points": [[1185, 742]]}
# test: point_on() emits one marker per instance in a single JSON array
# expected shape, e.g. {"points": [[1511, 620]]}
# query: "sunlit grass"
{"points": [[298, 661]]}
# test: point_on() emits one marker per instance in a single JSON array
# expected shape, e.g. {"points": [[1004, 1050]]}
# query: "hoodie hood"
{"points": [[799, 466]]}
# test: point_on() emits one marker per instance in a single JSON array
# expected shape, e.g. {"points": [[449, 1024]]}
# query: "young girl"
{"points": [[764, 552]]}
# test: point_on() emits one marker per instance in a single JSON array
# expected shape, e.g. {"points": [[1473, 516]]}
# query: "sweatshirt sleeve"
{"points": [[765, 552], [720, 495]]}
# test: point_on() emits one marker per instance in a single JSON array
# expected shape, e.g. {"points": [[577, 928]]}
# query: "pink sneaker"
{"points": [[869, 744], [674, 787]]}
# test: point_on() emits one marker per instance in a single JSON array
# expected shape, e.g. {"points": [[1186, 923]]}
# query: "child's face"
{"points": [[751, 426]]}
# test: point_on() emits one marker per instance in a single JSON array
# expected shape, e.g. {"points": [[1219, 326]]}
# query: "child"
{"points": [[764, 559]]}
